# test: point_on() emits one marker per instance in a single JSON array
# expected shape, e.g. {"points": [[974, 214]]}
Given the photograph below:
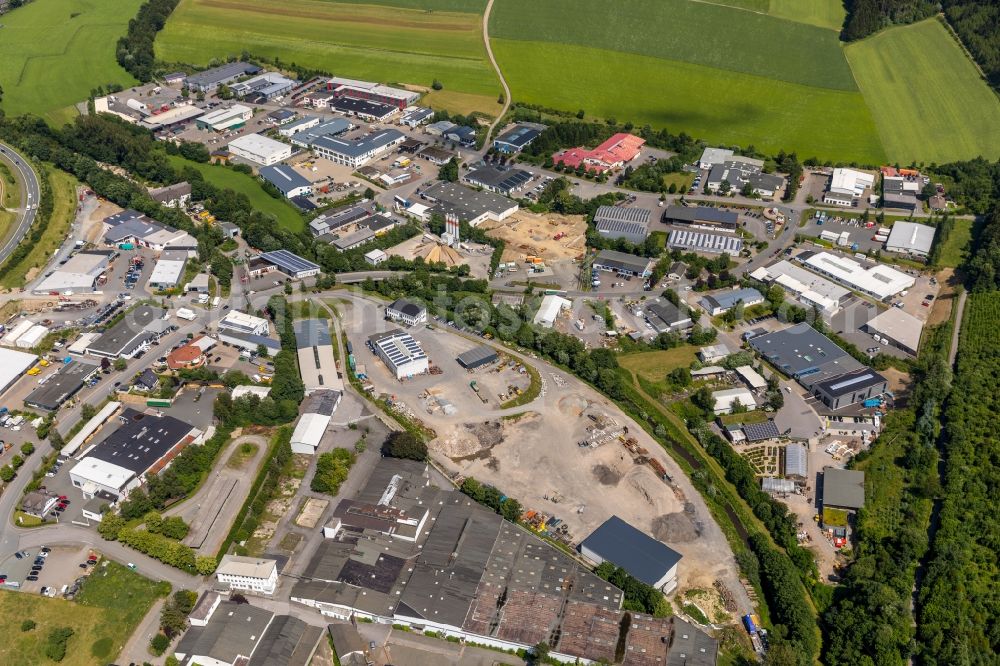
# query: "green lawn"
{"points": [[112, 603], [52, 53], [956, 246], [226, 178], [926, 96], [712, 104], [654, 365], [823, 13], [743, 42], [414, 42]]}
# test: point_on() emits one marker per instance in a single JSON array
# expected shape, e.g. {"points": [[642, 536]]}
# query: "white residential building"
{"points": [[252, 574], [408, 312]]}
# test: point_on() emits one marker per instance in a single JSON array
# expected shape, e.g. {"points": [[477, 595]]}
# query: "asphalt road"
{"points": [[30, 193]]}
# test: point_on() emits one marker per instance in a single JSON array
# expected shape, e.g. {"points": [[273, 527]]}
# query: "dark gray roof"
{"points": [[642, 556], [361, 107], [728, 299], [170, 192], [843, 488], [288, 641], [234, 630], [252, 339], [284, 177], [756, 432], [850, 382], [118, 218], [346, 639], [519, 136], [147, 379], [312, 333], [358, 147], [288, 262], [141, 440], [129, 332], [216, 75], [700, 214], [335, 219], [61, 386], [621, 260], [666, 311], [466, 202], [505, 180], [332, 127], [802, 350], [408, 308], [690, 646], [477, 356]]}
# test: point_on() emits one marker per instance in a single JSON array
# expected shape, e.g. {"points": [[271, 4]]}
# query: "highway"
{"points": [[29, 195]]}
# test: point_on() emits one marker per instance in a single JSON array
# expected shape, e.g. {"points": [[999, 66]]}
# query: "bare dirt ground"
{"points": [[528, 233], [93, 225], [425, 246], [941, 310], [312, 510]]}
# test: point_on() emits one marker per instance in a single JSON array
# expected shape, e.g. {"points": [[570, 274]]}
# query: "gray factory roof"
{"points": [[696, 214], [220, 74], [621, 214], [466, 202], [728, 299], [134, 325], [639, 554], [288, 261], [501, 179], [701, 241], [843, 488], [477, 356], [358, 147], [312, 333], [288, 641], [60, 386], [621, 260], [910, 237], [801, 350], [141, 441], [234, 630], [850, 382], [518, 136], [284, 177]]}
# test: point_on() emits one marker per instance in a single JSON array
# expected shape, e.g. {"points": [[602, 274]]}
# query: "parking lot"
{"points": [[857, 229], [51, 567]]}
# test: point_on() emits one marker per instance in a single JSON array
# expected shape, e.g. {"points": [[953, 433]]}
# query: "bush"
{"points": [[55, 644], [159, 644], [28, 625], [331, 471], [27, 448], [404, 445]]}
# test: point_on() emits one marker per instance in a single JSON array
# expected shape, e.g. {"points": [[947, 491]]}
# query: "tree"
{"points": [[205, 564], [404, 445], [159, 644], [437, 85], [87, 411], [109, 527], [27, 448], [449, 171], [369, 193], [724, 187], [120, 364], [7, 474], [702, 398], [28, 625], [55, 643]]}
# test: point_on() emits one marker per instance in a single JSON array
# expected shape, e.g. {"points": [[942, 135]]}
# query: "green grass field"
{"points": [[926, 96], [823, 13], [53, 53], [112, 603], [712, 104], [402, 41], [653, 366], [957, 246], [226, 178], [741, 41]]}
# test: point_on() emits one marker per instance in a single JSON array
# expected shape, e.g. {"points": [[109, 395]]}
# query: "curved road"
{"points": [[496, 68], [29, 192]]}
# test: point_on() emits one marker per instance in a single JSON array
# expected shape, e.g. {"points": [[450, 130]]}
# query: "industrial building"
{"points": [[82, 273], [172, 196], [665, 317], [136, 330], [356, 152], [843, 488], [375, 92], [850, 388], [643, 557], [32, 337], [897, 328], [341, 217], [753, 379], [317, 411], [549, 310], [13, 364], [211, 79], [742, 173], [416, 116], [260, 149], [712, 156], [879, 281], [401, 354], [61, 385], [250, 342], [374, 112], [168, 270], [250, 574], [466, 574], [241, 322], [407, 312], [376, 257], [703, 241], [147, 233], [315, 352], [505, 181], [614, 222], [263, 87], [614, 153], [225, 119], [727, 399], [718, 303], [142, 444], [291, 264], [811, 290], [301, 124], [713, 353], [462, 135], [911, 238], [702, 216], [287, 180], [306, 132], [805, 354], [517, 138], [622, 263], [847, 186], [478, 357], [668, 641], [468, 204]]}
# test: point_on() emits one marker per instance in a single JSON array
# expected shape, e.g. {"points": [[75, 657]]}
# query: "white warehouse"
{"points": [[260, 149]]}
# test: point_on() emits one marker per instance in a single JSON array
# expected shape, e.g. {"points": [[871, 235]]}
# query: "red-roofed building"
{"points": [[612, 154], [191, 355]]}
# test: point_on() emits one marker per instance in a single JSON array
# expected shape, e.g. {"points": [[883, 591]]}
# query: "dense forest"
{"points": [[866, 17]]}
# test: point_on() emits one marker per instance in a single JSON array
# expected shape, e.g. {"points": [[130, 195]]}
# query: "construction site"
{"points": [[431, 249], [550, 237]]}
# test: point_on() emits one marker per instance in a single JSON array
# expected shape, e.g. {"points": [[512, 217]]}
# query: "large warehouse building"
{"points": [[809, 289], [260, 149], [702, 241], [13, 364], [312, 425], [911, 238], [61, 386], [880, 281], [135, 331], [401, 354], [643, 557], [315, 351], [613, 222], [702, 216]]}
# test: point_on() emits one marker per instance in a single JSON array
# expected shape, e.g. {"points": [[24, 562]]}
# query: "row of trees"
{"points": [[866, 17], [135, 50], [113, 527], [488, 496]]}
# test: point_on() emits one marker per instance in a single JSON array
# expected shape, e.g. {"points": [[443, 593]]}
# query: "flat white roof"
{"points": [[715, 155], [167, 271], [250, 567], [90, 428], [549, 309], [102, 473], [879, 280], [310, 428], [850, 182], [724, 399], [242, 320], [751, 377], [222, 115], [259, 391], [258, 144], [375, 254], [910, 237], [13, 364], [898, 325]]}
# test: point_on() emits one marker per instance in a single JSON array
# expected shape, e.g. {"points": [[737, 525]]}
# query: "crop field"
{"points": [[927, 98], [719, 106], [766, 81], [400, 41], [53, 53], [226, 178], [824, 13]]}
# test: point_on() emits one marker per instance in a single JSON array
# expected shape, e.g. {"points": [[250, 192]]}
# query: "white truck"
{"points": [[186, 314]]}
